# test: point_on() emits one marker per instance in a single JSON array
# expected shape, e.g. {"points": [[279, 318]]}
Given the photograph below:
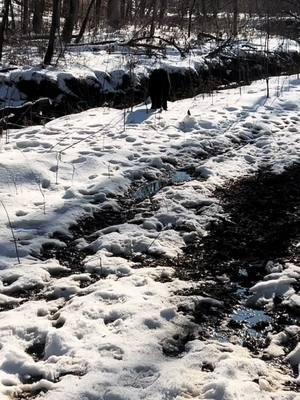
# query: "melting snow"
{"points": [[105, 340]]}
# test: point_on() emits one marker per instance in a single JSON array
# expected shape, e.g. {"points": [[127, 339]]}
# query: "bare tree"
{"points": [[70, 21], [25, 16], [204, 13], [154, 17], [191, 10], [142, 9], [163, 10], [235, 18], [85, 21], [128, 11], [54, 28], [3, 25], [97, 12], [12, 16], [38, 11], [114, 13]]}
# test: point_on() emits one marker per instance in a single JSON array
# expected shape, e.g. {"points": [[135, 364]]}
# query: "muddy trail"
{"points": [[261, 224]]}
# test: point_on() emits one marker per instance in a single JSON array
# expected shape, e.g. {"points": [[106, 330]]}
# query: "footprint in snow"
{"points": [[39, 203], [46, 183], [114, 316], [152, 323], [111, 351], [28, 143], [230, 109], [168, 314], [79, 160], [110, 298], [58, 322], [69, 194], [21, 213], [140, 377], [293, 129], [139, 281]]}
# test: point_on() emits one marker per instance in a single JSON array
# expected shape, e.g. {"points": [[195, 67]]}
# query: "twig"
{"points": [[220, 48], [133, 42], [12, 231]]}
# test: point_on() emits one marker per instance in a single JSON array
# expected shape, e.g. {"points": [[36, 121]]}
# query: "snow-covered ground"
{"points": [[105, 340]]}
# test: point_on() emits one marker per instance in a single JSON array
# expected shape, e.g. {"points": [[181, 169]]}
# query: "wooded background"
{"points": [[69, 20]]}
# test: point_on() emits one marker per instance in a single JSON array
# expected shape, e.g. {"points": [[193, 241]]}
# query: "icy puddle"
{"points": [[253, 319], [152, 188]]}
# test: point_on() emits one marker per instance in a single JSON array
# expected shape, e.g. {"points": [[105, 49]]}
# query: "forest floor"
{"points": [[159, 251]]}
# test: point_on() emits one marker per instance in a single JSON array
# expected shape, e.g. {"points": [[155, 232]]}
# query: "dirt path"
{"points": [[261, 225]]}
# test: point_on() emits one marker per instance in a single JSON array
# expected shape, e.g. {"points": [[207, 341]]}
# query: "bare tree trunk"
{"points": [[98, 12], [38, 11], [84, 22], [142, 9], [114, 13], [3, 25], [128, 11], [70, 21], [267, 51], [191, 10], [204, 13], [64, 8], [183, 9], [123, 9], [235, 18], [154, 15], [162, 11], [54, 27], [25, 13], [12, 15], [216, 8]]}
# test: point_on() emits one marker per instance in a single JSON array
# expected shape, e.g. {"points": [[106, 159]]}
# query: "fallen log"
{"points": [[12, 115]]}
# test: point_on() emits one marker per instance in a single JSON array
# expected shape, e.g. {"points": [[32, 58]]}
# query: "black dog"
{"points": [[159, 88]]}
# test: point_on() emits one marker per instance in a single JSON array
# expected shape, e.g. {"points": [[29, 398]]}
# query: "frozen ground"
{"points": [[100, 334]]}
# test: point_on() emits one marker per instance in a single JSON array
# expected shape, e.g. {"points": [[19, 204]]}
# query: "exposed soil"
{"points": [[262, 223]]}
